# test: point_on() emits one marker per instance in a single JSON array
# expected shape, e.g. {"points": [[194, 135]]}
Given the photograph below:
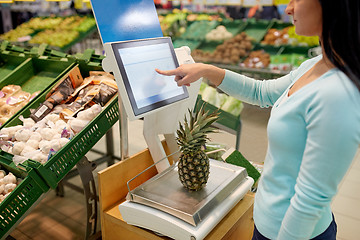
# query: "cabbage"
{"points": [[232, 106], [210, 95], [202, 87]]}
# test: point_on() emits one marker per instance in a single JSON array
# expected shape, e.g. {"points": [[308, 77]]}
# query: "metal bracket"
{"points": [[85, 168]]}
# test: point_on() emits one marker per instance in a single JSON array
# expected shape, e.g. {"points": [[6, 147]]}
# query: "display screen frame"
{"points": [[146, 42]]}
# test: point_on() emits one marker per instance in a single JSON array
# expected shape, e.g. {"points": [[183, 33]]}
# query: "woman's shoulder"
{"points": [[336, 86]]}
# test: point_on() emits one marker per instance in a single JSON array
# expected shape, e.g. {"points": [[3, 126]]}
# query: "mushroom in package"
{"points": [[59, 94]]}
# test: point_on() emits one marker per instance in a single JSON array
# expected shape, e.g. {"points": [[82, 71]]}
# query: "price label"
{"points": [[22, 1], [6, 1], [279, 2]]}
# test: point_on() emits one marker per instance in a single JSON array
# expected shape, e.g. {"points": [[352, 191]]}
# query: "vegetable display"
{"points": [[52, 125]]}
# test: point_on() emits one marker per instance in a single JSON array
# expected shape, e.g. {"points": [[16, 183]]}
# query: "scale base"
{"points": [[173, 227]]}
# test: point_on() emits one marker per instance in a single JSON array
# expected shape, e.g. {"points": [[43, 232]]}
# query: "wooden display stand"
{"points": [[237, 224]]}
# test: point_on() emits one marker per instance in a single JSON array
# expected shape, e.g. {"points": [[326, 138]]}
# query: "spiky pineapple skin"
{"points": [[193, 166], [193, 170]]}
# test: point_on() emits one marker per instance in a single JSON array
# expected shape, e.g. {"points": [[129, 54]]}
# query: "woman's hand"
{"points": [[189, 73]]}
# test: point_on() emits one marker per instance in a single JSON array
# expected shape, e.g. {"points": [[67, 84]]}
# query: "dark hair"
{"points": [[341, 36]]}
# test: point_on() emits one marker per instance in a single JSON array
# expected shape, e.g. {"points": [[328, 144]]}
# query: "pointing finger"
{"points": [[166, 73]]}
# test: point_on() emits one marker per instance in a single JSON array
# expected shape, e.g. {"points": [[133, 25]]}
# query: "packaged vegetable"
{"points": [[59, 94]]}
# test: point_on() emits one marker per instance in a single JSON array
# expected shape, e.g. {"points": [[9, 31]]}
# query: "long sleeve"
{"points": [[256, 92]]}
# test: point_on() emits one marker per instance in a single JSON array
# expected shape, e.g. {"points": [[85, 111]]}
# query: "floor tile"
{"points": [[353, 176], [18, 235], [350, 189], [348, 228], [347, 206], [66, 230], [41, 218]]}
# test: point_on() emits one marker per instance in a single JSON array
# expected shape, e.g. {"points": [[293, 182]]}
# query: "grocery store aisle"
{"points": [[65, 218]]}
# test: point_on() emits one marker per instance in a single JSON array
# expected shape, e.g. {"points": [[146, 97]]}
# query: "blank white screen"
{"points": [[147, 85]]}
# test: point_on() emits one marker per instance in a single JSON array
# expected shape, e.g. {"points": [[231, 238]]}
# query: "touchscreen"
{"points": [[147, 86]]}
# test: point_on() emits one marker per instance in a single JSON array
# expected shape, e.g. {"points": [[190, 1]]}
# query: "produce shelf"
{"points": [[198, 30], [20, 201], [257, 29], [231, 122], [192, 44], [35, 75], [56, 168], [235, 26], [9, 64], [65, 159]]}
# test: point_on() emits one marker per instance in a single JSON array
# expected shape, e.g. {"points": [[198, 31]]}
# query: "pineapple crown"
{"points": [[192, 135]]}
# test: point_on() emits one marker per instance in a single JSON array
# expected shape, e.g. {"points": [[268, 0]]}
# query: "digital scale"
{"points": [[162, 204]]}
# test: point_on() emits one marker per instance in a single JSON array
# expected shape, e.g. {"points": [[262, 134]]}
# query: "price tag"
{"points": [[6, 1], [24, 38], [279, 2], [22, 1], [222, 2]]}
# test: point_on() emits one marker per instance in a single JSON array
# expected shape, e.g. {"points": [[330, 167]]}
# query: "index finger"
{"points": [[166, 73]]}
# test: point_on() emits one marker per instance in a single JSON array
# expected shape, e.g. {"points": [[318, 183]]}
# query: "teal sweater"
{"points": [[313, 136]]}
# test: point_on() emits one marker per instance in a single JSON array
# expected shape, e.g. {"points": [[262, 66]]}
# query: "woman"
{"points": [[313, 130]]}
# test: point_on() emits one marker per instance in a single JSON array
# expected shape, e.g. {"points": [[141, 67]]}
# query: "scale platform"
{"points": [[163, 205]]}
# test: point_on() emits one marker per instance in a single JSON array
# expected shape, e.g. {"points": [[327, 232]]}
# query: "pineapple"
{"points": [[193, 166]]}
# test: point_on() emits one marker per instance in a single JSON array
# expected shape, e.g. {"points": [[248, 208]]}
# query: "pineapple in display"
{"points": [[193, 166]]}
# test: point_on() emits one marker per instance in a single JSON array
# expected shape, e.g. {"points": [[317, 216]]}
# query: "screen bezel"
{"points": [[145, 42]]}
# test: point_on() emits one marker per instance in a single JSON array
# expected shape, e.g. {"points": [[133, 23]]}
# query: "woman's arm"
{"points": [[189, 73], [257, 92]]}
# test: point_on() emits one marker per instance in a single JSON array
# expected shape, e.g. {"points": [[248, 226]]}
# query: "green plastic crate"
{"points": [[272, 50], [198, 30], [56, 168], [64, 160], [209, 46], [37, 75], [226, 119], [192, 44], [235, 26], [19, 202], [90, 59], [9, 64], [257, 29]]}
